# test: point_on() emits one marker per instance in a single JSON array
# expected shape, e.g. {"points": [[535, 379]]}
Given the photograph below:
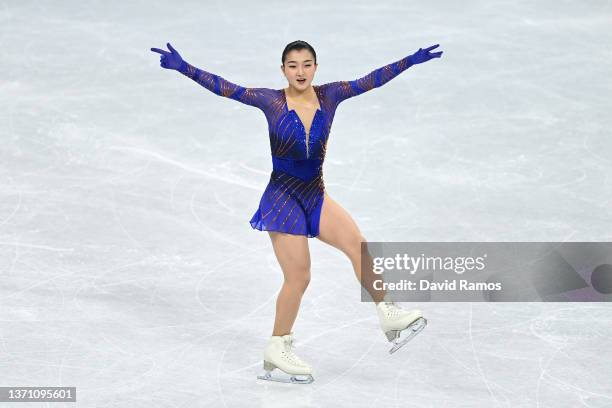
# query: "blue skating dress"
{"points": [[293, 198]]}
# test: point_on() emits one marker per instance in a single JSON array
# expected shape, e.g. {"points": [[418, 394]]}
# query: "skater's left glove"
{"points": [[423, 55]]}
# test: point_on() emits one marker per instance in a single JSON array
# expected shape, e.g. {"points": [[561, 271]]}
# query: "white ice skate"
{"points": [[394, 321], [279, 354]]}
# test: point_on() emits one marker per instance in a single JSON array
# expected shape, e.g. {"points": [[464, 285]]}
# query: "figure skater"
{"points": [[295, 205]]}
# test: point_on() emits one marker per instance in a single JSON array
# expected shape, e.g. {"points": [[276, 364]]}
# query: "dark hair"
{"points": [[298, 45]]}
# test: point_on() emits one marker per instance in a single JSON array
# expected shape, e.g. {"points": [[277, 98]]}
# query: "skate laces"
{"points": [[289, 354], [391, 310]]}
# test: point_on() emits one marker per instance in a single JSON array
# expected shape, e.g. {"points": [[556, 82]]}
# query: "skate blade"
{"points": [[286, 378], [414, 329]]}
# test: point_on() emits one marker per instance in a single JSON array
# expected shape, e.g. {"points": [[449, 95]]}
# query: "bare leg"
{"points": [[338, 229], [294, 258]]}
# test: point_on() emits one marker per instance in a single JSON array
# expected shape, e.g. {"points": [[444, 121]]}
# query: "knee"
{"points": [[354, 246], [299, 280]]}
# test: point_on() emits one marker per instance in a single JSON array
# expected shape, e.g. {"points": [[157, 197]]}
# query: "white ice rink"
{"points": [[128, 267]]}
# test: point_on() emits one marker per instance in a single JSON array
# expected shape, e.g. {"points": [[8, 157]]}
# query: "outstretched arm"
{"points": [[223, 87], [347, 89], [214, 83]]}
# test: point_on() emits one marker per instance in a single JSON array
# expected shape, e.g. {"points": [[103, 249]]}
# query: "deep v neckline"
{"points": [[319, 109]]}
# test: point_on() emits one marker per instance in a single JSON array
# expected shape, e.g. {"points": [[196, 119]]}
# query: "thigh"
{"points": [[338, 229], [293, 254]]}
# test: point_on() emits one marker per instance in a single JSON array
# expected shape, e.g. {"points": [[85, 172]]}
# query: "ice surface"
{"points": [[128, 266]]}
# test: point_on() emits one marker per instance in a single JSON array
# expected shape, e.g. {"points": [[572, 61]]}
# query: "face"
{"points": [[299, 65]]}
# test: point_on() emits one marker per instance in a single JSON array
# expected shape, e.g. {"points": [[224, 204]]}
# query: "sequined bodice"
{"points": [[300, 124], [288, 136]]}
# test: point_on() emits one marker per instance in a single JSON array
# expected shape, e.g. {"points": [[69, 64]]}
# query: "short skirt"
{"points": [[290, 204]]}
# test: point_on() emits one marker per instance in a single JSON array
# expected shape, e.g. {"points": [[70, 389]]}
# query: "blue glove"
{"points": [[423, 55], [169, 60]]}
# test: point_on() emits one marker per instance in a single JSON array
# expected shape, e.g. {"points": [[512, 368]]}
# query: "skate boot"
{"points": [[279, 354], [394, 321]]}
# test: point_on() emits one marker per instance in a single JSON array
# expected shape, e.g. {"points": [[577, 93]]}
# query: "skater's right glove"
{"points": [[169, 60]]}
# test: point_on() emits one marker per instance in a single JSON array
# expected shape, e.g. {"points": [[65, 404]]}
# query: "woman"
{"points": [[295, 205]]}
